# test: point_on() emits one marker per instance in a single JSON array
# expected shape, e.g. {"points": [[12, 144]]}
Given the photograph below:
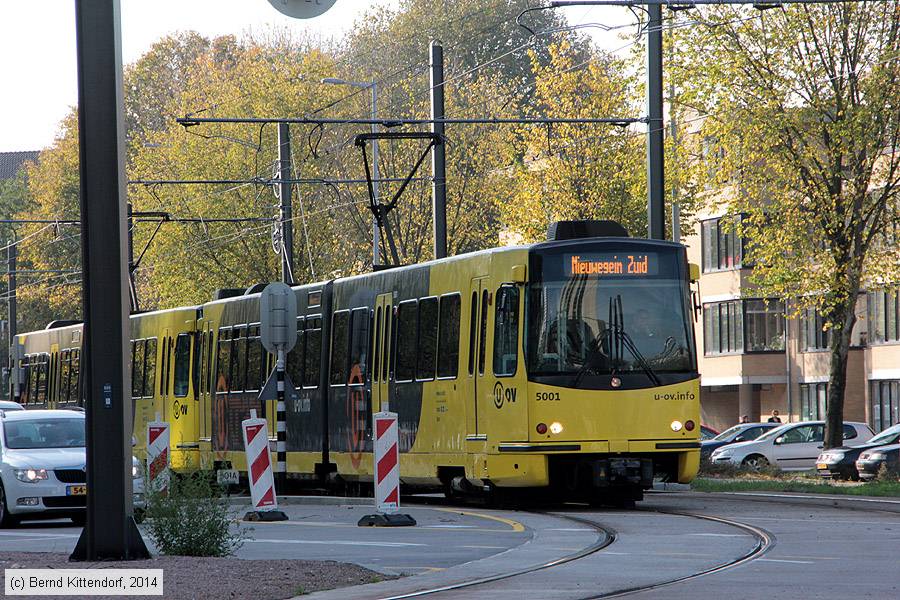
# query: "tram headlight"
{"points": [[676, 425], [556, 428]]}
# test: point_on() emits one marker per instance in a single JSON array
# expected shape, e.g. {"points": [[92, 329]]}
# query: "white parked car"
{"points": [[791, 447], [42, 466]]}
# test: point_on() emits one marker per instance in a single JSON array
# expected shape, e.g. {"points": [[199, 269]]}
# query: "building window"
{"points": [[884, 404], [813, 335], [883, 317], [813, 401], [722, 246], [764, 321], [723, 328]]}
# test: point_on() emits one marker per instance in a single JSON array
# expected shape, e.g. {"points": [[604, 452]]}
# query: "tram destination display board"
{"points": [[635, 264]]}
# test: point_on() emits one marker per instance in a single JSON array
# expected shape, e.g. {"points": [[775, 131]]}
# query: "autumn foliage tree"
{"points": [[805, 103]]}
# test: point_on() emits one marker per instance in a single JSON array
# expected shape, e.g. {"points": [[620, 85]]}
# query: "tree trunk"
{"points": [[845, 314]]}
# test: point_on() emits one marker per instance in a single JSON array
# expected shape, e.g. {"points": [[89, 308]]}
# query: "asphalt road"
{"points": [[820, 552]]}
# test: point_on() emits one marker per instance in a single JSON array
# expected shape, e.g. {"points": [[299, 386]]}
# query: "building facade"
{"points": [[753, 360]]}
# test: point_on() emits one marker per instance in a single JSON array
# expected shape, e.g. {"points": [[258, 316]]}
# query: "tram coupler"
{"points": [[606, 472]]}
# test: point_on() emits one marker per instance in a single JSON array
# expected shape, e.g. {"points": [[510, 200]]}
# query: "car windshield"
{"points": [[773, 433], [888, 436], [727, 434], [35, 434]]}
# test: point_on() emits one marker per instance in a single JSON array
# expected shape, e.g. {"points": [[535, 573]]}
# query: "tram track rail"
{"points": [[608, 536]]}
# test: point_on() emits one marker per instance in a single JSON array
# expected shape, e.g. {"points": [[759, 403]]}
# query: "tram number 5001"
{"points": [[546, 396]]}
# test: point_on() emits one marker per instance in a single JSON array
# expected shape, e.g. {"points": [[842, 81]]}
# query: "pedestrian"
{"points": [[775, 418], [745, 419]]}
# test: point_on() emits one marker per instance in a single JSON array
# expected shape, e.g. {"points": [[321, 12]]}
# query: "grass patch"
{"points": [[796, 484]]}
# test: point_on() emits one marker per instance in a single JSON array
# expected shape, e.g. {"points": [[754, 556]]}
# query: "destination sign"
{"points": [[624, 264]]}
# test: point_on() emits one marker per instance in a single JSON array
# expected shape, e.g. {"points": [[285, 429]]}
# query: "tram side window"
{"points": [[295, 357], [448, 340], [428, 333], [340, 332], [473, 324], [223, 362], [312, 356], [35, 374], [405, 365], [376, 347], [254, 359], [359, 342], [239, 361], [64, 358], [182, 365], [74, 381], [42, 381], [137, 369], [150, 368], [482, 344], [386, 345], [506, 331]]}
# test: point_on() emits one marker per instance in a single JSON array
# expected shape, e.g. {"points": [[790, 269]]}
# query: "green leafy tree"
{"points": [[805, 102]]}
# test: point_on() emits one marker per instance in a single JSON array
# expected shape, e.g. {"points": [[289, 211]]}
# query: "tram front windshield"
{"points": [[601, 310]]}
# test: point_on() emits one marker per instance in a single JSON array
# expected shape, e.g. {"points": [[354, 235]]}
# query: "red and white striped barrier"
{"points": [[158, 455], [387, 476], [259, 463], [387, 463]]}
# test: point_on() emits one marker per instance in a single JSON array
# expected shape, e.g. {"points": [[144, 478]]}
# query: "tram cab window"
{"points": [[359, 343], [448, 338], [405, 368], [340, 342], [223, 362], [294, 359], [312, 351], [428, 333], [182, 365], [137, 368], [506, 331], [150, 368]]}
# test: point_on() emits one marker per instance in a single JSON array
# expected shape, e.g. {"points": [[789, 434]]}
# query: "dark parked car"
{"points": [[707, 433], [840, 463], [871, 461], [743, 432]]}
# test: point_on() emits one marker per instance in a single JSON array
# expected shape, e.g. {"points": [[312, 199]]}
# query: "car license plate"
{"points": [[227, 477], [76, 490], [822, 466]]}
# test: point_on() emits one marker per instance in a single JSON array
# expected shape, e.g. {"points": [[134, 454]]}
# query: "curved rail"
{"points": [[764, 542], [608, 537]]}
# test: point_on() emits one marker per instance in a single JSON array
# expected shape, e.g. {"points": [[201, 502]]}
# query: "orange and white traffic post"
{"points": [[158, 456], [259, 471], [386, 457]]}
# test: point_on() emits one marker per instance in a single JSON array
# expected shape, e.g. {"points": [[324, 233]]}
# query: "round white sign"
{"points": [[302, 9]]}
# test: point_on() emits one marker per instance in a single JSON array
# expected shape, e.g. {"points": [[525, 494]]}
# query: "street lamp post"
{"points": [[372, 85]]}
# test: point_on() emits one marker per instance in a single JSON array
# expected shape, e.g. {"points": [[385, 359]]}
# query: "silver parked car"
{"points": [[42, 466], [791, 447]]}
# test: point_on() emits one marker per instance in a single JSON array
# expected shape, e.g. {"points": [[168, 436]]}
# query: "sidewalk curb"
{"points": [[886, 504]]}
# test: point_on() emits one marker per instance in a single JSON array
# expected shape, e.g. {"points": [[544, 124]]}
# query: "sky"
{"points": [[37, 47]]}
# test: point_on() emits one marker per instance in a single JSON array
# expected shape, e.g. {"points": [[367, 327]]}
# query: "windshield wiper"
{"points": [[617, 329]]}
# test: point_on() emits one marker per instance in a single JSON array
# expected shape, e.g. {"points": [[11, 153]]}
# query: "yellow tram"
{"points": [[567, 365]]}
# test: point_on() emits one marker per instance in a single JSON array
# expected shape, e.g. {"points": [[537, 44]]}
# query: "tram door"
{"points": [[381, 351], [202, 360], [164, 359], [479, 300]]}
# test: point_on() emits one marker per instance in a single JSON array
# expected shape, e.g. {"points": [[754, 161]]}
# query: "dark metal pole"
{"points": [[656, 211], [287, 223], [132, 286], [438, 152], [110, 532], [11, 255]]}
